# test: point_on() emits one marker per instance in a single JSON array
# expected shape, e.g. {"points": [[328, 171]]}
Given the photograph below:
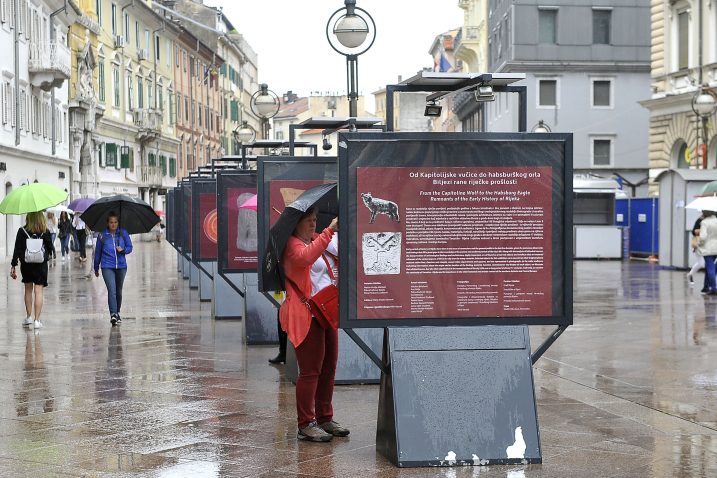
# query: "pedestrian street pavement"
{"points": [[628, 391]]}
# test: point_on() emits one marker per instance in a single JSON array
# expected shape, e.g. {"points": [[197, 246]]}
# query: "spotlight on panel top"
{"points": [[432, 109], [484, 93]]}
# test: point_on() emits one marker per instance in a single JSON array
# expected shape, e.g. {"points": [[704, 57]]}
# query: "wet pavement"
{"points": [[629, 390]]}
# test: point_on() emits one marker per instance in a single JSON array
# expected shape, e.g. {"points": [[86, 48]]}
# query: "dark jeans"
{"points": [[65, 245], [82, 242], [114, 280], [710, 272], [317, 356]]}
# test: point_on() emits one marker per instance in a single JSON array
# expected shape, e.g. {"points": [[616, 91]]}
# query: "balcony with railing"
{"points": [[149, 176], [49, 64], [148, 123]]}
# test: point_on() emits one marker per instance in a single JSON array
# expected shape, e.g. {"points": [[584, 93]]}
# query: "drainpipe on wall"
{"points": [[52, 93], [17, 74]]}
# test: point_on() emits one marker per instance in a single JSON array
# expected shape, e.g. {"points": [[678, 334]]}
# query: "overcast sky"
{"points": [[290, 38]]}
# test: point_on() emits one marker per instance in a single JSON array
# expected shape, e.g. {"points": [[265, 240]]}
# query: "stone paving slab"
{"points": [[629, 390]]}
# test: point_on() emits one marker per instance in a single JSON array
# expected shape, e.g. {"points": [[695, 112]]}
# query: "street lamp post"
{"points": [[541, 127], [244, 134], [352, 31], [265, 104], [704, 105]]}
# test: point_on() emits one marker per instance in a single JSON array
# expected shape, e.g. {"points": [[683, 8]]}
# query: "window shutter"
{"points": [[100, 157], [124, 160], [163, 164], [111, 155], [152, 159], [131, 159], [4, 103], [235, 111], [172, 167]]}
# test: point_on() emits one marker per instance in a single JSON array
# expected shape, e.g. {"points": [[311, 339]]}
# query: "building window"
{"points": [[683, 40], [186, 109], [601, 152], [156, 47], [602, 93], [101, 79], [280, 135], [547, 25], [601, 26], [129, 100], [160, 98], [114, 20], [140, 93], [98, 11], [137, 38], [547, 93], [681, 155], [115, 87], [126, 28]]}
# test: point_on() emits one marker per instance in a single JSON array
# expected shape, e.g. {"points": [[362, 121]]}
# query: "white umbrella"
{"points": [[60, 209], [705, 203]]}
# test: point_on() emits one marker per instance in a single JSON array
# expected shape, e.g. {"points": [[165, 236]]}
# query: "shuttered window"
{"points": [[110, 155]]}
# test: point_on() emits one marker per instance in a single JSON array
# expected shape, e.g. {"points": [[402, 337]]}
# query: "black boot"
{"points": [[281, 358]]}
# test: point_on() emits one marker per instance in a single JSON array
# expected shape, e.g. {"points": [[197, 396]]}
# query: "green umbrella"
{"points": [[31, 198], [709, 189]]}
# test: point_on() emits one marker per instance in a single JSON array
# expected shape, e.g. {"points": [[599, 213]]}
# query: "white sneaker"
{"points": [[63, 258], [27, 322], [38, 324]]}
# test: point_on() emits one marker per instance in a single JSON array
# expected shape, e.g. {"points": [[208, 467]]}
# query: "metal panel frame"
{"points": [[249, 176], [197, 184], [562, 245]]}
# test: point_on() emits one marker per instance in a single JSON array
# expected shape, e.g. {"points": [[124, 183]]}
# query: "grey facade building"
{"points": [[587, 66]]}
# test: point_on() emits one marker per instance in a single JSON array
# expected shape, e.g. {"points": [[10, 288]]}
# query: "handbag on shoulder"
{"points": [[324, 305]]}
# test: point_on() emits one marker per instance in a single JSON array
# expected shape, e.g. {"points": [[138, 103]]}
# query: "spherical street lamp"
{"points": [[703, 105], [265, 104], [351, 33], [244, 133], [541, 127]]}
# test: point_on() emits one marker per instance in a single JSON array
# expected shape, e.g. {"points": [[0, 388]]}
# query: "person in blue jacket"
{"points": [[113, 244]]}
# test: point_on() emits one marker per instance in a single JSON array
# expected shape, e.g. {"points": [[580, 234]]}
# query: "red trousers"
{"points": [[317, 356]]}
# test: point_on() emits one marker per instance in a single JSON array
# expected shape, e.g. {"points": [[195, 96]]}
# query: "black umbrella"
{"points": [[135, 215], [325, 200]]}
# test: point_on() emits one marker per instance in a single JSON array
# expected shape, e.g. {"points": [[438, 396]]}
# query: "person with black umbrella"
{"points": [[308, 269], [113, 245]]}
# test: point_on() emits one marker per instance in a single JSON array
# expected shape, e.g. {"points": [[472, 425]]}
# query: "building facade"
{"points": [[684, 63], [35, 69], [587, 67]]}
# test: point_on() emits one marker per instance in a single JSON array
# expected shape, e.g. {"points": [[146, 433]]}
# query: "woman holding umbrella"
{"points": [[306, 268], [113, 244], [33, 269]]}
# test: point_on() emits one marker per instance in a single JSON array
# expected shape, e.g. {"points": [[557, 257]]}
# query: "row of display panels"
{"points": [[439, 229]]}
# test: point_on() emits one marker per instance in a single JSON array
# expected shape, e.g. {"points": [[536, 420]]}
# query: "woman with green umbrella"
{"points": [[33, 241], [33, 246]]}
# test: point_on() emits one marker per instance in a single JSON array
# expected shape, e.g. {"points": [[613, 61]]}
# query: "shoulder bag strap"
{"points": [[328, 266]]}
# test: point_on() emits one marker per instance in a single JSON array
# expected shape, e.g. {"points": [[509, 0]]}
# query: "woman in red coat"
{"points": [[305, 264]]}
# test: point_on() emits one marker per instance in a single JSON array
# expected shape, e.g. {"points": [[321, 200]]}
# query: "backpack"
{"points": [[34, 250]]}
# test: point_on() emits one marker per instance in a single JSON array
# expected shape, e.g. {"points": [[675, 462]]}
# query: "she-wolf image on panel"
{"points": [[381, 251]]}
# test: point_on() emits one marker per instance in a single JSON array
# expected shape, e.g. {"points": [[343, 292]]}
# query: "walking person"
{"points": [[708, 249], [306, 268], [694, 245], [64, 232], [32, 251], [81, 233], [52, 227], [113, 245]]}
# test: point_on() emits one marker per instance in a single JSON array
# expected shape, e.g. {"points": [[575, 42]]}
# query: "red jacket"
{"points": [[297, 260]]}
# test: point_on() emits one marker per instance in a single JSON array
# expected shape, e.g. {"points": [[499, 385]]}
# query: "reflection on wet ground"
{"points": [[629, 390]]}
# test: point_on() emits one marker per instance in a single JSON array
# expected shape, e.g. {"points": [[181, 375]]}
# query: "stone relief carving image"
{"points": [[246, 226]]}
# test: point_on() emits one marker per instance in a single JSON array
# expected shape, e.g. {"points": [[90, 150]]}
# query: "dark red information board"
{"points": [[204, 219], [237, 239], [453, 242], [449, 230]]}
